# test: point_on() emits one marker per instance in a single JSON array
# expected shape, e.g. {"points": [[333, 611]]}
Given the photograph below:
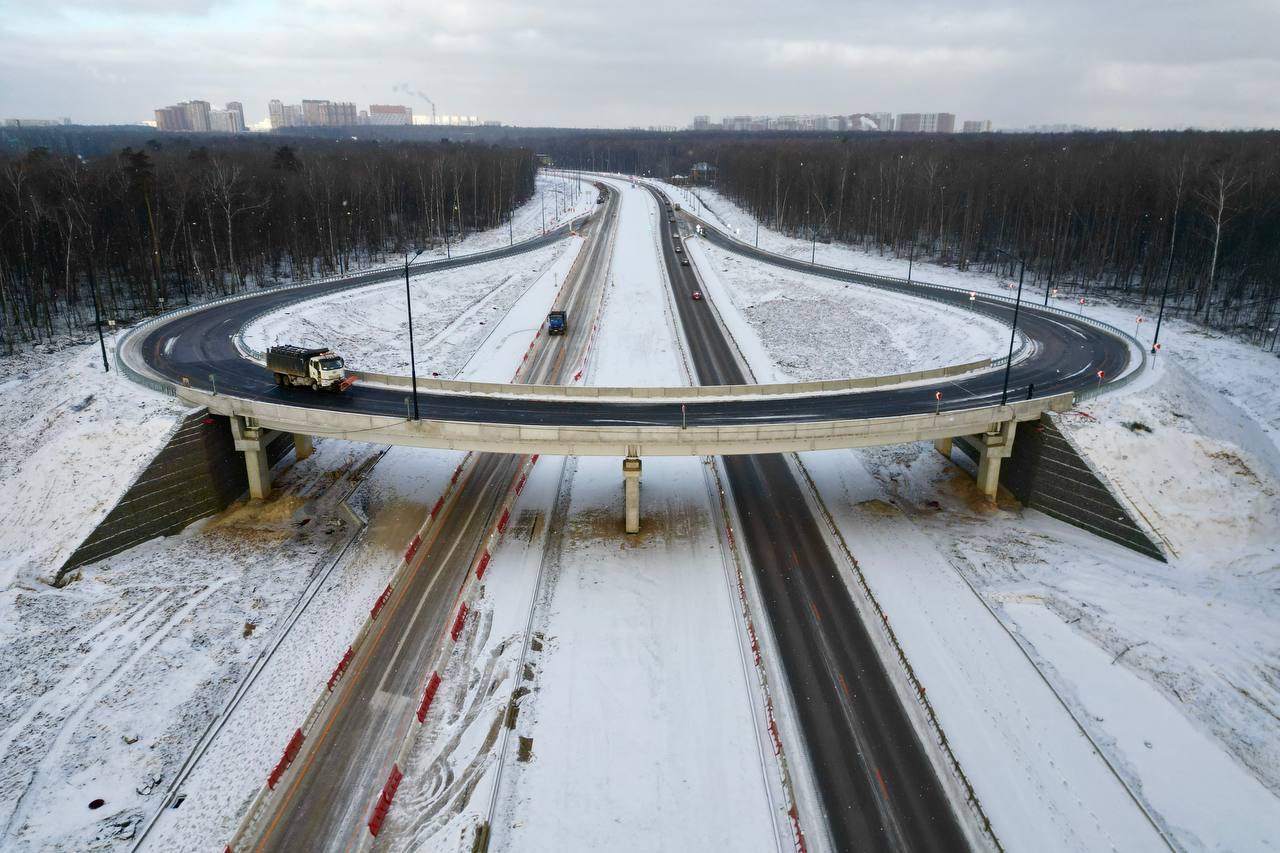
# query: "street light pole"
{"points": [[1013, 333], [408, 299], [1168, 276], [911, 259], [97, 319]]}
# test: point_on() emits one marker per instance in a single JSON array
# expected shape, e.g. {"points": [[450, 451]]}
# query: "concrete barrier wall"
{"points": [[1047, 472], [779, 389], [196, 474]]}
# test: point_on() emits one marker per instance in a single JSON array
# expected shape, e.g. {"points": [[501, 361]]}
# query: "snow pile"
{"points": [[72, 439]]}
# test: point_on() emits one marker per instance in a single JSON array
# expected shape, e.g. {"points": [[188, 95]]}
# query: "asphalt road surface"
{"points": [[877, 787], [1067, 355], [331, 788]]}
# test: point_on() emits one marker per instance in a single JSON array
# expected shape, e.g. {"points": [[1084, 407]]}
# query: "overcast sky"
{"points": [[618, 63]]}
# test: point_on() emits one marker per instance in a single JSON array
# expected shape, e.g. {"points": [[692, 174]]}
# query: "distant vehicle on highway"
{"points": [[671, 219], [697, 296], [677, 207], [700, 232], [684, 262], [556, 324], [678, 248], [318, 368]]}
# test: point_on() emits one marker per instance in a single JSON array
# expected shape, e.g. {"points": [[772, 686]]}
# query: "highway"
{"points": [[878, 787], [329, 792], [876, 783]]}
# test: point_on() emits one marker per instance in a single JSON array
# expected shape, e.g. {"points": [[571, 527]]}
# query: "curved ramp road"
{"points": [[1067, 355]]}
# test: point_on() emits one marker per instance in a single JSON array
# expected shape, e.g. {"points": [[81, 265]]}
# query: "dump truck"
{"points": [[318, 368], [556, 324]]}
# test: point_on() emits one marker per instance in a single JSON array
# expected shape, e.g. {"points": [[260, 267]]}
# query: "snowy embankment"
{"points": [[72, 438], [114, 678], [1168, 668]]}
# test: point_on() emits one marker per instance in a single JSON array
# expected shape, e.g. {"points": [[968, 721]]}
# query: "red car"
{"points": [[697, 296]]}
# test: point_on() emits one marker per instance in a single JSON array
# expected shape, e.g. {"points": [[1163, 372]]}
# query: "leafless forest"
{"points": [[161, 224]]}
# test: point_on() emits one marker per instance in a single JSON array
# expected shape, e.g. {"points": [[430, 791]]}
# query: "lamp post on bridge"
{"points": [[1013, 333], [408, 299]]}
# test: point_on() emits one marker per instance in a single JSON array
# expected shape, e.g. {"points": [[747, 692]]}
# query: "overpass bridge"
{"points": [[199, 355]]}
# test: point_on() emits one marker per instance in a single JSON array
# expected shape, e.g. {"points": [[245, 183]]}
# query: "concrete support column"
{"points": [[251, 441], [943, 446], [303, 446], [996, 444], [631, 492]]}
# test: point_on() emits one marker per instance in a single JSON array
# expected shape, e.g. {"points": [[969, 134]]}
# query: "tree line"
{"points": [[169, 222], [1115, 213]]}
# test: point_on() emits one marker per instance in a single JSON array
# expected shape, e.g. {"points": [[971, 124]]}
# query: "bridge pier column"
{"points": [[943, 446], [303, 446], [631, 491], [251, 440], [996, 444]]}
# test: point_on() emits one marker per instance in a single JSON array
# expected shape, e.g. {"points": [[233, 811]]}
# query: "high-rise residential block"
{"points": [[982, 126], [390, 114]]}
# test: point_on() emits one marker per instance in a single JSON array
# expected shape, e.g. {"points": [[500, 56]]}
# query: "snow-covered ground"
{"points": [[110, 682], [454, 312], [1170, 669], [72, 438], [829, 330]]}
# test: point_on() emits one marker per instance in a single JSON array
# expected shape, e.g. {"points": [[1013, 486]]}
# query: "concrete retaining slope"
{"points": [[196, 474], [1047, 472]]}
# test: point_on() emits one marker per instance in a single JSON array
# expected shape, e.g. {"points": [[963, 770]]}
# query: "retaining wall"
{"points": [[1047, 472], [196, 474]]}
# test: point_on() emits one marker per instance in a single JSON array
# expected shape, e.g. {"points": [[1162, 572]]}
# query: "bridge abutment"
{"points": [[631, 492], [303, 446]]}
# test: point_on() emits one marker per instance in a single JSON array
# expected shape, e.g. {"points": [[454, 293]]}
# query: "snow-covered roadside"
{"points": [[1189, 644], [454, 312], [829, 330], [72, 438], [639, 721], [111, 679]]}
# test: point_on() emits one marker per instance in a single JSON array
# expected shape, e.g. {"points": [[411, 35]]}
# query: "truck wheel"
{"points": [[315, 386]]}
